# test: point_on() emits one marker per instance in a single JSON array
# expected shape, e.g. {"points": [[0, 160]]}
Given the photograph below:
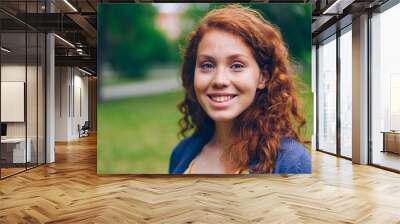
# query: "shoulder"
{"points": [[178, 153], [185, 151], [179, 149], [292, 158]]}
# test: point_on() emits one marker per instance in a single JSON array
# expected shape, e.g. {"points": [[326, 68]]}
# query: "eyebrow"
{"points": [[230, 57], [208, 57]]}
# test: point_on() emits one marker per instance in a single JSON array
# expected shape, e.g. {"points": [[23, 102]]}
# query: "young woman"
{"points": [[240, 99]]}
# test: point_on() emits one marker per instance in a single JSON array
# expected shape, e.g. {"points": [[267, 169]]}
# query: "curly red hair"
{"points": [[275, 111]]}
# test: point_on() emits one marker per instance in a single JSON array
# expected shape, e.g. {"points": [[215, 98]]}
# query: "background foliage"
{"points": [[131, 41]]}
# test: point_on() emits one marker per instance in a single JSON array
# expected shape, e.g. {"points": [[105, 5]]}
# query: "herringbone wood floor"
{"points": [[70, 191]]}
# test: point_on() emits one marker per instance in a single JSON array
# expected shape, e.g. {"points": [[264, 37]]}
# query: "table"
{"points": [[18, 151], [391, 141]]}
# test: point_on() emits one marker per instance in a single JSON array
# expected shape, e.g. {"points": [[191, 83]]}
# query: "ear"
{"points": [[261, 81]]}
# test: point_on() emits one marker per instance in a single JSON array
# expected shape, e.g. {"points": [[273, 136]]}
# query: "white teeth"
{"points": [[221, 99]]}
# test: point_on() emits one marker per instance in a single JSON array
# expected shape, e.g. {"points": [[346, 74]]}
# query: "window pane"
{"points": [[385, 89], [31, 97], [41, 98], [14, 150], [327, 96], [346, 94]]}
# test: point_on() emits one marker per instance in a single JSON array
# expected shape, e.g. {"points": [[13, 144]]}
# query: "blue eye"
{"points": [[237, 67], [206, 67]]}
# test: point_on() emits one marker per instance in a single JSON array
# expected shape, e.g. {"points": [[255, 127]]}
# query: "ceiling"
{"points": [[76, 22]]}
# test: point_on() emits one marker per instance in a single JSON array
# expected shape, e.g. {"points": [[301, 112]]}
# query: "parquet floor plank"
{"points": [[70, 191]]}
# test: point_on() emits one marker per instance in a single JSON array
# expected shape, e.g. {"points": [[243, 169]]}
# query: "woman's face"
{"points": [[226, 76]]}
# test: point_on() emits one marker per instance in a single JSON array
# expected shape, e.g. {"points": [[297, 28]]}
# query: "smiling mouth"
{"points": [[221, 99]]}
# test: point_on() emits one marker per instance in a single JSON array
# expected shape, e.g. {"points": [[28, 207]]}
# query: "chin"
{"points": [[221, 117]]}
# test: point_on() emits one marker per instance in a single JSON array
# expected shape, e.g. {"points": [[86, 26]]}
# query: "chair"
{"points": [[84, 130]]}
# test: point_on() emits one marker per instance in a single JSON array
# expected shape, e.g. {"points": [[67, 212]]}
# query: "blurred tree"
{"points": [[189, 20], [129, 39], [293, 20]]}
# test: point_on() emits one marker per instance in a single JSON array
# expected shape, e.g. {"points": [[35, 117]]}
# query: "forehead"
{"points": [[222, 43]]}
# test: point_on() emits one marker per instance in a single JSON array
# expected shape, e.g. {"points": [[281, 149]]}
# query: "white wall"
{"points": [[33, 126], [12, 101], [62, 81], [12, 73], [71, 93]]}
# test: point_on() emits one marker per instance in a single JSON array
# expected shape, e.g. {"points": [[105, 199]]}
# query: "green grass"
{"points": [[307, 100], [137, 135]]}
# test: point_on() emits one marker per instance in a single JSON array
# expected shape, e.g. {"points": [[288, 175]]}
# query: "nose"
{"points": [[220, 79]]}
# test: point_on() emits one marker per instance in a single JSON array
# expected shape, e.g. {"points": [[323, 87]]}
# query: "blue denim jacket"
{"points": [[292, 157]]}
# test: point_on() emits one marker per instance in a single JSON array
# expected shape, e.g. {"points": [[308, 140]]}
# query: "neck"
{"points": [[222, 135]]}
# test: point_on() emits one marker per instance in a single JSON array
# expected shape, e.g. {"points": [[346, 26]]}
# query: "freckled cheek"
{"points": [[199, 90], [247, 91], [245, 85], [201, 82]]}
